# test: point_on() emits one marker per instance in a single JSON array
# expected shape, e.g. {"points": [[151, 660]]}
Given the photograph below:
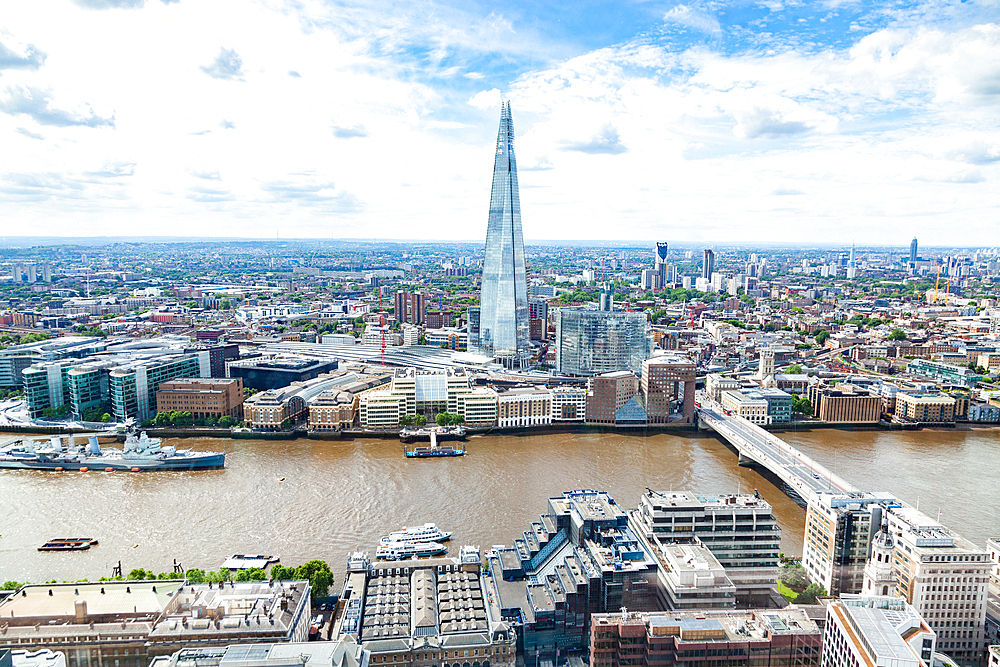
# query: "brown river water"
{"points": [[340, 496]]}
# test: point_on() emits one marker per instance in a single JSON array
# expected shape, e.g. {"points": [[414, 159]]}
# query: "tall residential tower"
{"points": [[500, 328]]}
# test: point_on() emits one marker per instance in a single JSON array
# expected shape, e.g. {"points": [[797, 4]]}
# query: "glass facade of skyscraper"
{"points": [[592, 342], [501, 329]]}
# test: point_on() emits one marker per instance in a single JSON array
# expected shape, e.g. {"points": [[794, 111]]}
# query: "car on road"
{"points": [[816, 475]]}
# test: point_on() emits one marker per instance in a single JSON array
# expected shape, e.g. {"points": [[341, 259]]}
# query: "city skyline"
{"points": [[772, 122]]}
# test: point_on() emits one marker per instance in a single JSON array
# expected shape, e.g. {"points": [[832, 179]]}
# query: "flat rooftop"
{"points": [[109, 598]]}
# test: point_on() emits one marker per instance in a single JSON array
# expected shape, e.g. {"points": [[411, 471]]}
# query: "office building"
{"points": [[924, 408], [706, 637], [838, 535], [580, 558], [943, 373], [410, 307], [691, 577], [125, 623], [844, 403], [592, 342], [424, 613], [608, 394], [412, 392], [133, 386], [40, 658], [662, 268], [569, 404], [913, 251], [499, 327], [941, 574], [667, 386], [277, 371], [869, 630], [15, 358], [751, 408], [202, 397], [343, 653], [707, 265], [740, 531], [521, 407]]}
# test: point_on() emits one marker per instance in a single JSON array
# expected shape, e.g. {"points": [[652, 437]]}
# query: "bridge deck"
{"points": [[804, 475]]}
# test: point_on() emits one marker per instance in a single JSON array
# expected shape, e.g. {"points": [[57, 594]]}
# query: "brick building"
{"points": [[668, 388], [705, 637], [844, 403], [202, 397], [411, 307], [607, 394]]}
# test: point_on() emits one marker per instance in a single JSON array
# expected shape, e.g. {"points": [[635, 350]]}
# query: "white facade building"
{"points": [[522, 407]]}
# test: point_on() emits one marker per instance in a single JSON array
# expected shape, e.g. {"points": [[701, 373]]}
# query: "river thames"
{"points": [[304, 499]]}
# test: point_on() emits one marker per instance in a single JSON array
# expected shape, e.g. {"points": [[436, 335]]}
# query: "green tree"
{"points": [[821, 337], [282, 573], [420, 420], [11, 585], [320, 577], [219, 576], [226, 421], [252, 574], [140, 574], [443, 418], [802, 406], [794, 369], [897, 334], [105, 418], [793, 575], [195, 576], [286, 424], [810, 594]]}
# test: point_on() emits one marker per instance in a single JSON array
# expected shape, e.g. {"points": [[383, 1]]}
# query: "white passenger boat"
{"points": [[404, 550], [428, 532]]}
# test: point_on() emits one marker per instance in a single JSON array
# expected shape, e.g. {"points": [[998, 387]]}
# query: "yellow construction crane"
{"points": [[937, 284]]}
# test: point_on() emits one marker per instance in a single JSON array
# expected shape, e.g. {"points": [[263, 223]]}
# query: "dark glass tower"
{"points": [[502, 330]]}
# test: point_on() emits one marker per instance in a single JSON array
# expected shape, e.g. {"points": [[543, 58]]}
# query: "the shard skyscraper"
{"points": [[501, 328]]}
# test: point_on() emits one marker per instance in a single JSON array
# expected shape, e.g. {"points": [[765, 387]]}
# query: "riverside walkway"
{"points": [[757, 446]]}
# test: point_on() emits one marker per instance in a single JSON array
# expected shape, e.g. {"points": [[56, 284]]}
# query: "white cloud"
{"points": [[486, 99], [690, 17], [336, 127]]}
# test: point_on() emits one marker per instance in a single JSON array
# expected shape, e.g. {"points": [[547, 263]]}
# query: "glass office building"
{"points": [[500, 326], [593, 342]]}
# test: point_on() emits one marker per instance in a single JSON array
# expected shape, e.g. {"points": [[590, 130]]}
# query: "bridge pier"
{"points": [[746, 461]]}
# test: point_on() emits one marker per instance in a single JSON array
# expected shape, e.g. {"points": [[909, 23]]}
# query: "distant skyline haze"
{"points": [[707, 123]]}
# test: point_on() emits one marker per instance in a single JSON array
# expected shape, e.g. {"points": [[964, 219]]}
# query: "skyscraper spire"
{"points": [[502, 327]]}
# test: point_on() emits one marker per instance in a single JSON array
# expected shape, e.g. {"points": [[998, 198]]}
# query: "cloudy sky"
{"points": [[834, 121]]}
